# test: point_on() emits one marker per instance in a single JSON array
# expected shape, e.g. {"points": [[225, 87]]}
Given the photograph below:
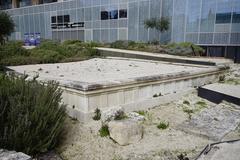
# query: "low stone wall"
{"points": [[133, 97]]}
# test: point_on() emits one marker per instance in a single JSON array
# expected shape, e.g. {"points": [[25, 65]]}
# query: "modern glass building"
{"points": [[214, 24]]}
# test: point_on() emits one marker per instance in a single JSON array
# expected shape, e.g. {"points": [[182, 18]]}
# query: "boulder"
{"points": [[12, 155], [125, 131], [110, 114], [135, 116]]}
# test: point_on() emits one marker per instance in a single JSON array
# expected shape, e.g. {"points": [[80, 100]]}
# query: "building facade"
{"points": [[214, 24]]}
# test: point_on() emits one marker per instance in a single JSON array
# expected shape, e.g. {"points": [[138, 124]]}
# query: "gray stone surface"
{"points": [[111, 113], [215, 122], [100, 73], [12, 155], [223, 151], [227, 89], [125, 132], [135, 116]]}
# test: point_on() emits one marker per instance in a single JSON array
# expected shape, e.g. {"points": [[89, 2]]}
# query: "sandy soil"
{"points": [[83, 142]]}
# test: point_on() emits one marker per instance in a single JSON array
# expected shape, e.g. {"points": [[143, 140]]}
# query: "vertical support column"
{"points": [[14, 3]]}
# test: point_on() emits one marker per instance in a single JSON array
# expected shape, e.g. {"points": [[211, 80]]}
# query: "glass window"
{"points": [[113, 14], [104, 15], [236, 17], [54, 19], [59, 19], [66, 18], [223, 18], [123, 13]]}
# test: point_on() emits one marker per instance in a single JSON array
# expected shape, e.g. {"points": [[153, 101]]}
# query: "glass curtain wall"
{"points": [[205, 22]]}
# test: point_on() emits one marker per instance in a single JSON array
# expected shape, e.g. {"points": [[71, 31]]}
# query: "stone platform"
{"points": [[218, 92], [119, 82]]}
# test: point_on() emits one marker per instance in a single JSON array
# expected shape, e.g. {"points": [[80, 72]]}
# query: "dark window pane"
{"points": [[113, 14], [66, 18], [59, 19], [104, 15], [54, 20], [236, 17], [223, 18], [123, 13]]}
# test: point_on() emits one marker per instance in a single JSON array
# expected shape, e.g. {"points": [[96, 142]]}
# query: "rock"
{"points": [[110, 114], [13, 155], [135, 116], [125, 131]]}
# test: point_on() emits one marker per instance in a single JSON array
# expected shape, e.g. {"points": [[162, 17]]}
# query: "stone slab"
{"points": [[218, 92], [214, 123], [223, 151], [164, 57], [107, 73]]}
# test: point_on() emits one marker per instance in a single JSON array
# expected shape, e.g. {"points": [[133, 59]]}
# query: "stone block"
{"points": [[125, 132]]}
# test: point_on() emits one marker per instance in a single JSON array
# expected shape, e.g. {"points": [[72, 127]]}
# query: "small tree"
{"points": [[161, 25], [6, 26]]}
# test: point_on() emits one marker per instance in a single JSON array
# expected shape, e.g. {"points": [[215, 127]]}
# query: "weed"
{"points": [[120, 115], [157, 95], [163, 125], [143, 113], [202, 104], [97, 115], [222, 78], [186, 102], [104, 131], [188, 111]]}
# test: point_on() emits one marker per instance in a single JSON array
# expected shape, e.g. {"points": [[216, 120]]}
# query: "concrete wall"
{"points": [[81, 105]]}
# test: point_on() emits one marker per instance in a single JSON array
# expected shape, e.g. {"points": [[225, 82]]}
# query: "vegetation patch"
{"points": [[233, 81], [163, 125], [104, 131], [31, 116], [120, 115], [12, 53], [97, 114], [180, 49], [141, 112]]}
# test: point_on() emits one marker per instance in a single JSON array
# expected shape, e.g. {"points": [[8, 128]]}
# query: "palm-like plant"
{"points": [[161, 25]]}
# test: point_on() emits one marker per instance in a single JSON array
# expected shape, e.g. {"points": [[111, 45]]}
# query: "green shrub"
{"points": [[183, 49], [104, 131], [120, 44], [13, 48], [163, 125], [143, 113], [97, 114], [31, 116], [47, 56]]}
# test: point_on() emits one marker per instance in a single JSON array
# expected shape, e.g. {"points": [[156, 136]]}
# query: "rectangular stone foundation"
{"points": [[128, 83]]}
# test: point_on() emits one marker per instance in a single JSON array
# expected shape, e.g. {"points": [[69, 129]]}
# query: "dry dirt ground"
{"points": [[83, 142]]}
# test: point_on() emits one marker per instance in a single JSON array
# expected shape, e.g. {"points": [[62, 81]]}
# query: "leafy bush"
{"points": [[104, 131], [31, 116], [48, 51], [163, 125], [7, 26], [183, 49], [97, 115]]}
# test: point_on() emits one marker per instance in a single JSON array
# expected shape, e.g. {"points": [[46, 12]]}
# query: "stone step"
{"points": [[218, 92]]}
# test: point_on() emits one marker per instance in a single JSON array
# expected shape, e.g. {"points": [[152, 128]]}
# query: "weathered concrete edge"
{"points": [[151, 57], [85, 117], [88, 88]]}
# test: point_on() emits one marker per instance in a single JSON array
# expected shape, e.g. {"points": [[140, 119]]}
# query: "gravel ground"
{"points": [[82, 141]]}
